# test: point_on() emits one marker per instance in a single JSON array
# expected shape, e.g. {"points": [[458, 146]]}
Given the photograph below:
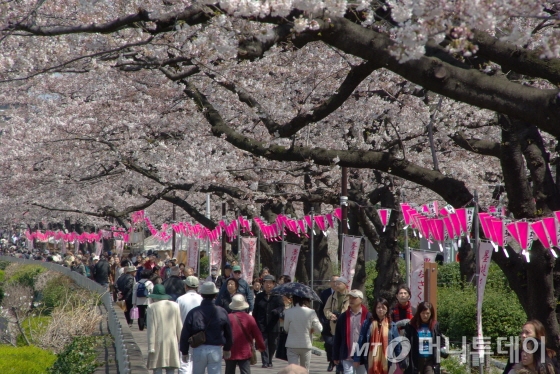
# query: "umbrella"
{"points": [[297, 289]]}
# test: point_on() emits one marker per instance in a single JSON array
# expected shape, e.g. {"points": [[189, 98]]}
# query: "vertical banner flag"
{"points": [[417, 276], [291, 259], [119, 246], [192, 256], [178, 240], [484, 255], [216, 254], [350, 250], [98, 248], [62, 246], [248, 251]]}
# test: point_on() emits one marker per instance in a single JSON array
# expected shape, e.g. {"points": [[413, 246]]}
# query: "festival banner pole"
{"points": [[477, 278], [208, 245], [406, 248], [312, 247], [283, 243]]}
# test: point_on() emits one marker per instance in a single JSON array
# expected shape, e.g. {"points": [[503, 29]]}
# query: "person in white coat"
{"points": [[300, 322], [188, 301], [142, 302], [164, 332]]}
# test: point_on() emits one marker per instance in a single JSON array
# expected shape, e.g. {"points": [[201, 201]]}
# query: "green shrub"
{"points": [[25, 360], [452, 365], [25, 275], [79, 356], [204, 267], [55, 292], [502, 314], [2, 275], [4, 264], [33, 327]]}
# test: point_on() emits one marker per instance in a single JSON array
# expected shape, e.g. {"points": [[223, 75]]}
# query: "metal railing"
{"points": [[123, 348]]}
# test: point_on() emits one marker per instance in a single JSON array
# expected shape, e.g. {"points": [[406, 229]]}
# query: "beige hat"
{"points": [[342, 280], [130, 269], [191, 281], [208, 288], [356, 293], [238, 302]]}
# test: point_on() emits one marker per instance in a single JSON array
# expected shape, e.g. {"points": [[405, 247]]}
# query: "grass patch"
{"points": [[25, 360]]}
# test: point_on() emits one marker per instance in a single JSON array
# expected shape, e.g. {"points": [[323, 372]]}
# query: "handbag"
{"points": [[122, 305], [281, 351], [134, 313], [253, 350]]}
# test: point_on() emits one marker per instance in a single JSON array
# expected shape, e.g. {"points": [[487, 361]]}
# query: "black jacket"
{"points": [[325, 294], [267, 311], [101, 272], [125, 284], [213, 319], [412, 335]]}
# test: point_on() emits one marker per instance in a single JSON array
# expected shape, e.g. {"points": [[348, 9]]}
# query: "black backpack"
{"points": [[141, 291]]}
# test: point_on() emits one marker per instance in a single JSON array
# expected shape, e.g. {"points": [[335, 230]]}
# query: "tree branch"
{"points": [[511, 57], [453, 191], [482, 147]]}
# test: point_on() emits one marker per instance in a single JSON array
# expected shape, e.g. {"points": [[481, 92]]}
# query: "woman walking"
{"points": [[245, 331], [377, 332], [300, 322], [424, 334], [140, 297], [164, 332]]}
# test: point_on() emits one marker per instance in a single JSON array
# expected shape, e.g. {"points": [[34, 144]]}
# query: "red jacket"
{"points": [[241, 349]]}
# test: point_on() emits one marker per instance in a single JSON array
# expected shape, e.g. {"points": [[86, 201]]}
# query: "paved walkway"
{"points": [[318, 363]]}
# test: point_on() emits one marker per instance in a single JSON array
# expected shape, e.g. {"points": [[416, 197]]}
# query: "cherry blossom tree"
{"points": [[114, 105]]}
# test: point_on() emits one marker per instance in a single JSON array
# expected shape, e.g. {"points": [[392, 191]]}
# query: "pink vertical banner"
{"points": [[192, 255], [350, 250], [119, 246], [98, 248], [485, 254], [216, 256], [417, 277], [248, 252], [291, 259]]}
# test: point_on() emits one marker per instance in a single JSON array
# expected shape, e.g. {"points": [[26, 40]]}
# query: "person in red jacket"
{"points": [[244, 330]]}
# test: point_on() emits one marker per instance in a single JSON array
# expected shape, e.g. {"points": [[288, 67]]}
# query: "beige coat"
{"points": [[332, 306], [164, 331]]}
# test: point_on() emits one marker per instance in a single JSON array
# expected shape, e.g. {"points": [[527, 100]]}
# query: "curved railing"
{"points": [[125, 346]]}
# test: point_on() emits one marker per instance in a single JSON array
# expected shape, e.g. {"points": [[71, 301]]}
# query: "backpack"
{"points": [[141, 291]]}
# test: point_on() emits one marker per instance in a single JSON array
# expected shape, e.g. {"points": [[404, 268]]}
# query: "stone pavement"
{"points": [[318, 363]]}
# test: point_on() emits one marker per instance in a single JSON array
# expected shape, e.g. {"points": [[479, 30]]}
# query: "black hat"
{"points": [[269, 277], [228, 266]]}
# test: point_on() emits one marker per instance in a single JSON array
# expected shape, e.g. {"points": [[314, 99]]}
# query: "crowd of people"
{"points": [[193, 323]]}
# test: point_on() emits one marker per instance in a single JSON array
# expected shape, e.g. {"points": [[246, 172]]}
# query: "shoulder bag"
{"points": [[198, 339], [253, 350]]}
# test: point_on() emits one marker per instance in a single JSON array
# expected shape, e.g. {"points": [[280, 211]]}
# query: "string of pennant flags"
{"points": [[448, 223], [271, 232], [428, 221]]}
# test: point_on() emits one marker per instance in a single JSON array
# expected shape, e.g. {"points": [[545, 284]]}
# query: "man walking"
{"points": [[244, 289], [326, 333], [349, 322], [187, 302], [266, 312], [213, 321], [101, 272]]}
